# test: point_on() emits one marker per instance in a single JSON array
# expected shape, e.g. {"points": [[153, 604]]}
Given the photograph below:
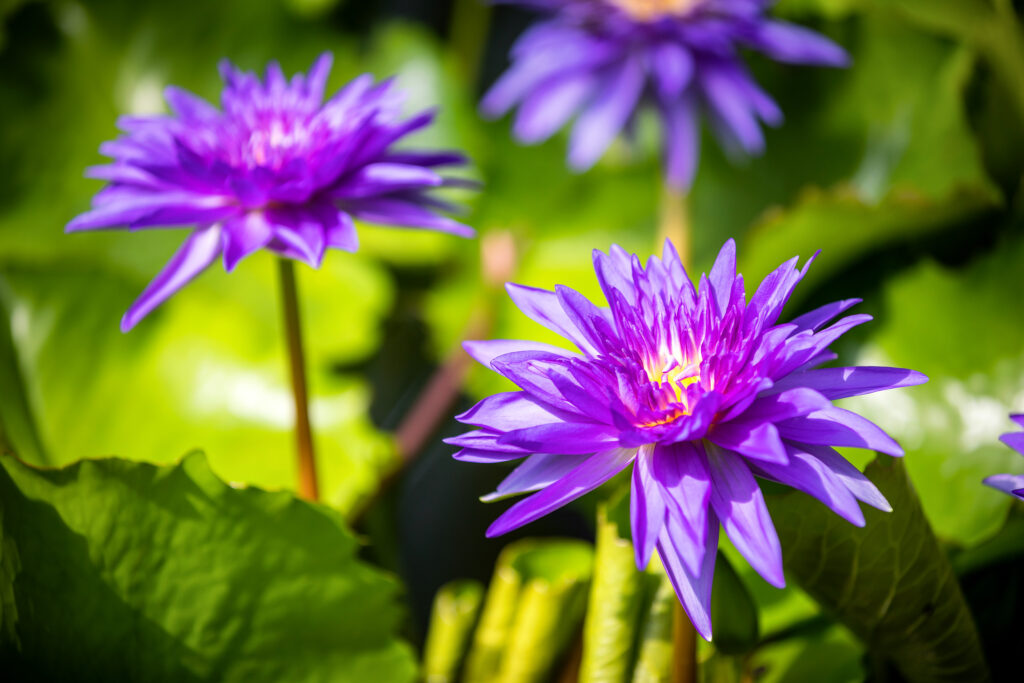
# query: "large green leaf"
{"points": [[889, 582], [960, 329], [127, 571]]}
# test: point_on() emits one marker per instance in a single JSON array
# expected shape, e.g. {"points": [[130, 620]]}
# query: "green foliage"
{"points": [[950, 426], [456, 608], [617, 596], [890, 582], [127, 571], [733, 611], [534, 606], [654, 653]]}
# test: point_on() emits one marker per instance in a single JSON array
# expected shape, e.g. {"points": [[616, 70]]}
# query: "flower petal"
{"points": [[682, 470], [1007, 483], [646, 507], [197, 252], [839, 427], [758, 440], [562, 437], [806, 473], [739, 503], [509, 411], [543, 307], [601, 122], [244, 235], [837, 383], [862, 488], [586, 477], [547, 108], [692, 588], [486, 351], [789, 43], [534, 473]]}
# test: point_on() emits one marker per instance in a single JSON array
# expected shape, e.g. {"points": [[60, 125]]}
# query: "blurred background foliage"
{"points": [[904, 170]]}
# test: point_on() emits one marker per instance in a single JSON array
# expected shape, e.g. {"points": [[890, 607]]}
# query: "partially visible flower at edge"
{"points": [[1011, 483], [697, 388], [276, 168], [603, 60]]}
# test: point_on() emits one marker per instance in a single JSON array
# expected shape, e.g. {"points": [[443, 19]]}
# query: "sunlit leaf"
{"points": [[889, 582], [958, 327], [127, 571]]}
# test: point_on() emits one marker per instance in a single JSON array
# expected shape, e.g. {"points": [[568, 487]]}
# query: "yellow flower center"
{"points": [[649, 10], [678, 374]]}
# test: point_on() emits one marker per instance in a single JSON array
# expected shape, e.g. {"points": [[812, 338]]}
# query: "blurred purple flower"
{"points": [[1011, 483], [278, 169], [603, 59], [700, 390]]}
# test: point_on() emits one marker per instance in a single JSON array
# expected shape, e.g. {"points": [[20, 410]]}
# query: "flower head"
{"points": [[1011, 483], [602, 59], [697, 388], [275, 167]]}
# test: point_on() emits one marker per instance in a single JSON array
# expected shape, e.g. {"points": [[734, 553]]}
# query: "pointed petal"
{"points": [[792, 44], [543, 307], [672, 68], [244, 235], [562, 437], [813, 320], [536, 472], [403, 213], [646, 507], [586, 477], [739, 503], [839, 427], [692, 589], [837, 383], [723, 274], [856, 483], [682, 142], [683, 472], [1007, 483], [383, 178], [509, 411], [342, 235], [486, 351], [1014, 440], [758, 440], [601, 122], [808, 474], [551, 105], [198, 252]]}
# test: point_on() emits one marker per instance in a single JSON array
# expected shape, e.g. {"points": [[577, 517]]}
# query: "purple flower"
{"points": [[1011, 483], [602, 59], [701, 391], [276, 168]]}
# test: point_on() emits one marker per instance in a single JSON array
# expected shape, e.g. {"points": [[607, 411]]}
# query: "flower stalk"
{"points": [[674, 222], [306, 460]]}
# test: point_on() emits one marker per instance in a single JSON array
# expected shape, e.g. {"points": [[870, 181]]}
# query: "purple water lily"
{"points": [[1011, 483], [276, 168], [700, 390], [603, 60]]}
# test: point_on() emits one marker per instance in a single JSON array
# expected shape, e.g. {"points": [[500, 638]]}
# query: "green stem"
{"points": [[471, 21], [308, 488], [674, 223], [684, 639]]}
